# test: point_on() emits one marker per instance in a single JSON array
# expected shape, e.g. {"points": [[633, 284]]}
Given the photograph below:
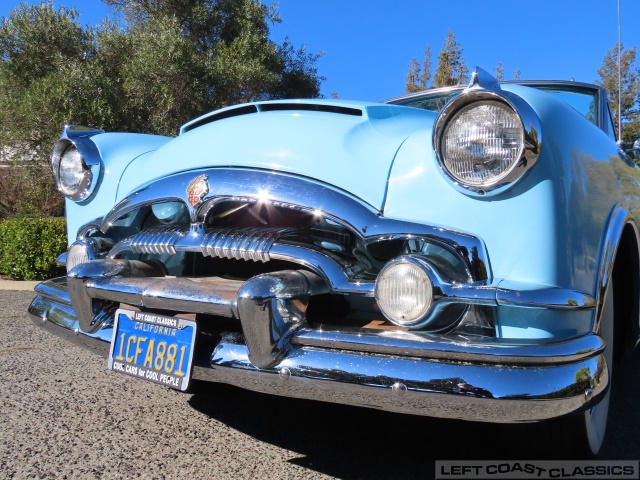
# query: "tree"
{"points": [[178, 60], [39, 49], [42, 52], [451, 68], [416, 79], [198, 55], [499, 72], [413, 77], [629, 92], [516, 74], [425, 76]]}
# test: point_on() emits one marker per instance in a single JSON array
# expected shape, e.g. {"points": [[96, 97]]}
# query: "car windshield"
{"points": [[583, 100], [433, 102]]}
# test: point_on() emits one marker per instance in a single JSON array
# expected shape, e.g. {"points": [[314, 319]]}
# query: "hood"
{"points": [[350, 145]]}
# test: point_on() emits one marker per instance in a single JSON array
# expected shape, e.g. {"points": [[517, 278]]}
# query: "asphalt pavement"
{"points": [[64, 415]]}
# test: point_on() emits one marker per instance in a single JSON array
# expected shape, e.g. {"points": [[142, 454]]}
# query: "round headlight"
{"points": [[73, 174], [482, 143], [404, 291]]}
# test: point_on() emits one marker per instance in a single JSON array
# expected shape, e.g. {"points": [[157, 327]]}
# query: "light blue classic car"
{"points": [[465, 253]]}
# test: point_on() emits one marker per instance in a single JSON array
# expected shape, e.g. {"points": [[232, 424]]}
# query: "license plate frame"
{"points": [[136, 347]]}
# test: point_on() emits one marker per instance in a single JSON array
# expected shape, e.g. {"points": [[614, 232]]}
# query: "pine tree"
{"points": [[413, 77], [425, 77], [451, 67], [462, 72], [629, 91]]}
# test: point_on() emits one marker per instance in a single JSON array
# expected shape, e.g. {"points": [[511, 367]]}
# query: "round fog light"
{"points": [[404, 291], [79, 252]]}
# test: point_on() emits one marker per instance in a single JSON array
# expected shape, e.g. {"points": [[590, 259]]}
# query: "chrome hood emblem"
{"points": [[197, 189]]}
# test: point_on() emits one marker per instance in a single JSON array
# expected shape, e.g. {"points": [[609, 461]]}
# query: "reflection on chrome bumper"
{"points": [[406, 372]]}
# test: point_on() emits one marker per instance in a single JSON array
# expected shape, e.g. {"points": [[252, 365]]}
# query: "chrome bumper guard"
{"points": [[278, 353]]}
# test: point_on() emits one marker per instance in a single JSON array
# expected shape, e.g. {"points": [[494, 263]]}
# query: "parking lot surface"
{"points": [[64, 415]]}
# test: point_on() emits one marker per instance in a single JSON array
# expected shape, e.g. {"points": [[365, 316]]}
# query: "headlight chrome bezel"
{"points": [[530, 125], [78, 138]]}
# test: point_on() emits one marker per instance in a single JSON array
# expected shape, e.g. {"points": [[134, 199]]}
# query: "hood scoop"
{"points": [[310, 107], [269, 107]]}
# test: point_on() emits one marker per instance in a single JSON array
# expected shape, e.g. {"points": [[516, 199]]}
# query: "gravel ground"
{"points": [[63, 415]]}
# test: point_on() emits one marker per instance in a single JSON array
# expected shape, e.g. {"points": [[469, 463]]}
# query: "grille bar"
{"points": [[160, 240], [241, 244], [232, 243]]}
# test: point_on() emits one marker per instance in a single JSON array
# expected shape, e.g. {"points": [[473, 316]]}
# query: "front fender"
{"points": [[547, 228], [117, 151]]}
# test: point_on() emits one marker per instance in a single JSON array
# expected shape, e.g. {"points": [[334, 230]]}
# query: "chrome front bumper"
{"points": [[405, 372]]}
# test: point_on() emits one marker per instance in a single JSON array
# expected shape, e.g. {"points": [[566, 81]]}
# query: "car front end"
{"points": [[365, 254]]}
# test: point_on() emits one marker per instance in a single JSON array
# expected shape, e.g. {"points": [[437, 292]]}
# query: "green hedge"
{"points": [[29, 246]]}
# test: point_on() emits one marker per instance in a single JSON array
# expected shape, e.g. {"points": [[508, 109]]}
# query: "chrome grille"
{"points": [[160, 240], [296, 194], [233, 243], [242, 243]]}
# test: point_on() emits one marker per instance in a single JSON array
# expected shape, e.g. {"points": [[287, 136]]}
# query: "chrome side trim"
{"points": [[618, 220], [506, 293], [526, 295], [289, 191], [452, 348]]}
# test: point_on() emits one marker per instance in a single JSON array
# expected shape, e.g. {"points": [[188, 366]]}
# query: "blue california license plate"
{"points": [[153, 347]]}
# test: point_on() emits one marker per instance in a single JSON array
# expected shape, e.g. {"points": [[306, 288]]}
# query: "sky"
{"points": [[368, 44]]}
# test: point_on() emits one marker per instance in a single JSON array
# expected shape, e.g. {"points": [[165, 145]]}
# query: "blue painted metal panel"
{"points": [[352, 153], [117, 150], [545, 230]]}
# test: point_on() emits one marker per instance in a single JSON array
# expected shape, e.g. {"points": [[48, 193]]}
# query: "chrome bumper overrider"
{"points": [[407, 372]]}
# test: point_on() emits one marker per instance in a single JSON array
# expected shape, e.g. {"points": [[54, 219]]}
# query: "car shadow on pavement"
{"points": [[349, 442], [343, 441]]}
